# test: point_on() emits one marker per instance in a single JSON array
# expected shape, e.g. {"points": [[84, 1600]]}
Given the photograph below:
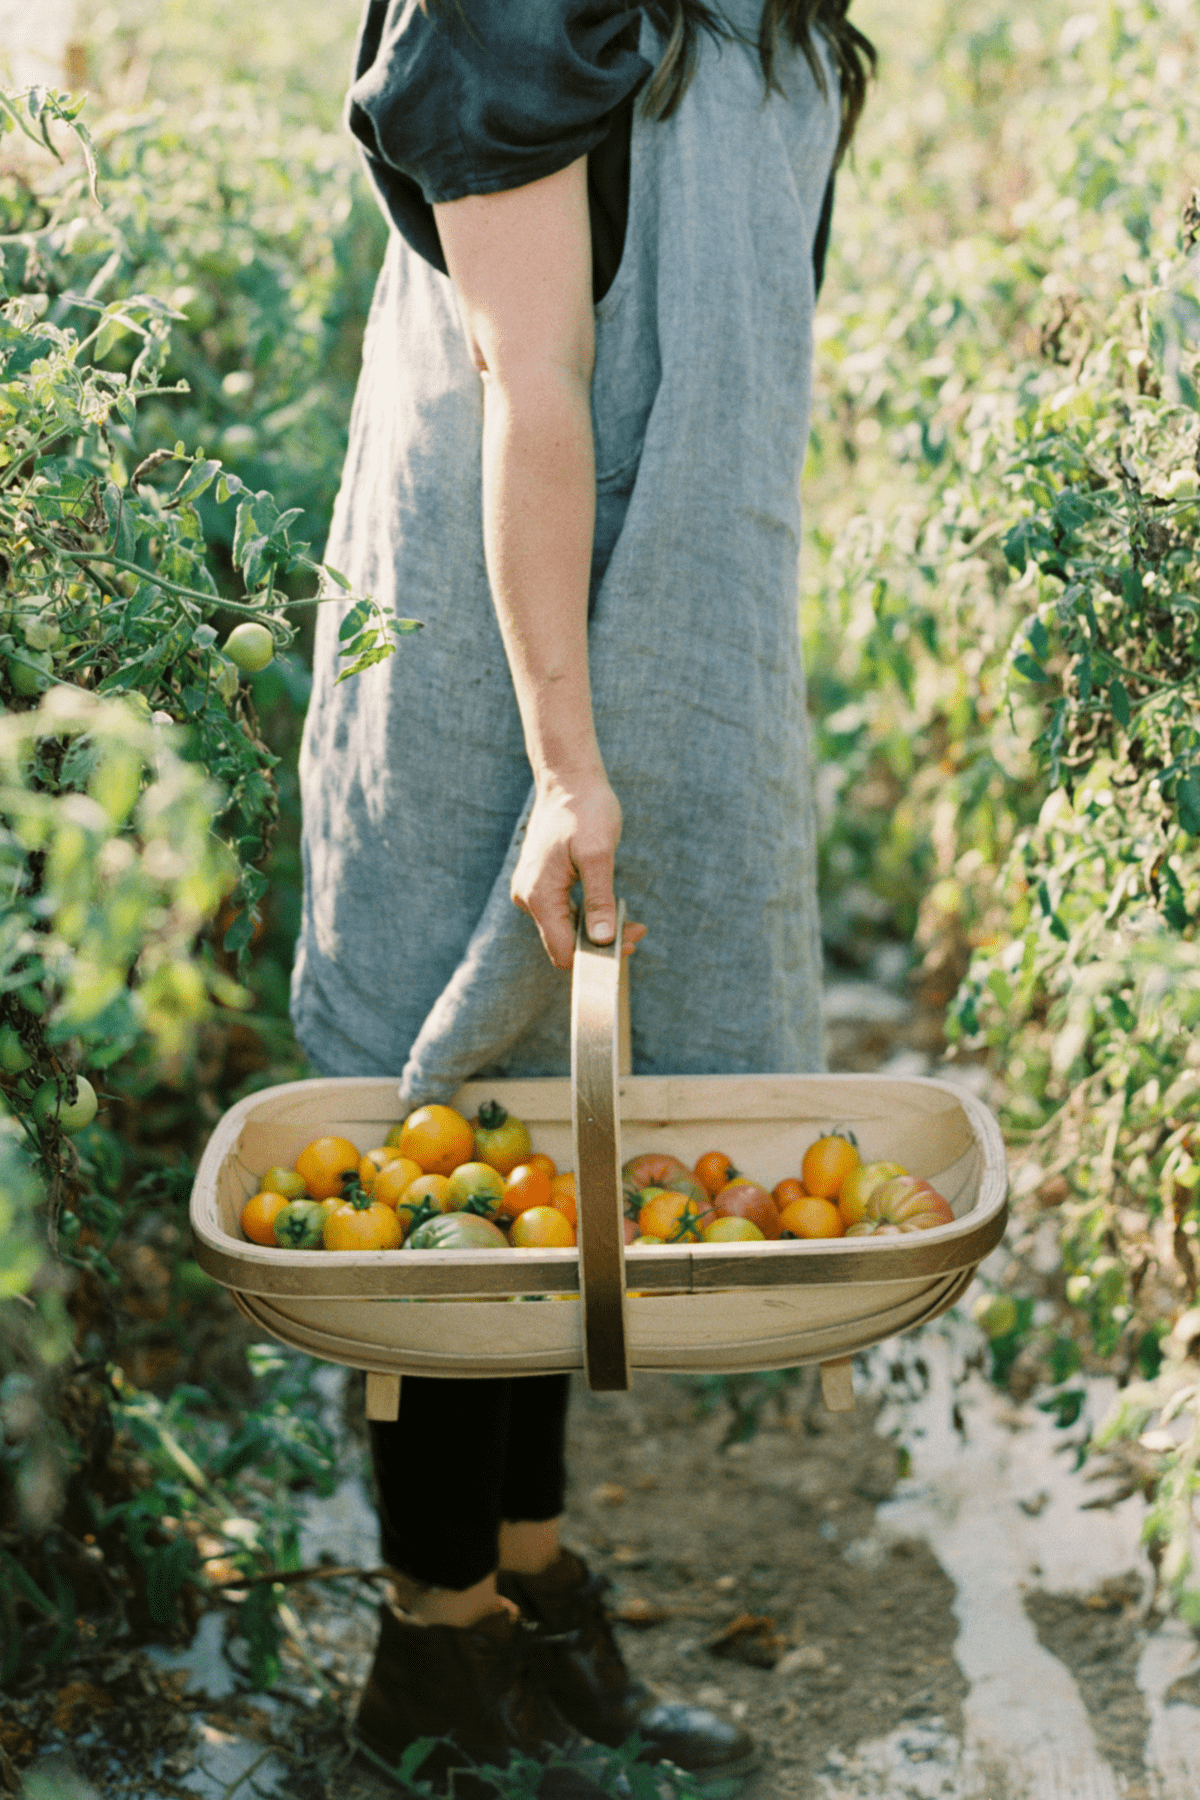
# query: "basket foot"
{"points": [[383, 1397], [837, 1387]]}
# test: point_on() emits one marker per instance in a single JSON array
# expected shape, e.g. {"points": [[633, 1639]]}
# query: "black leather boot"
{"points": [[580, 1668], [473, 1686]]}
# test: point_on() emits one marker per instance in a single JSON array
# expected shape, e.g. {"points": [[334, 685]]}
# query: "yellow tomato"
{"points": [[541, 1228], [370, 1227], [391, 1184], [438, 1138], [325, 1165], [826, 1165]]}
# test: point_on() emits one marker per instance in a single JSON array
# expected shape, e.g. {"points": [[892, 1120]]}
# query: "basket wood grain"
{"points": [[604, 1308]]}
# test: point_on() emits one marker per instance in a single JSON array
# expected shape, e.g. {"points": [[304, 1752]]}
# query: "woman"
{"points": [[593, 334]]}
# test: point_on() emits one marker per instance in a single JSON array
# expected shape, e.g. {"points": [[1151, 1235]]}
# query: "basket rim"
{"points": [[392, 1274]]}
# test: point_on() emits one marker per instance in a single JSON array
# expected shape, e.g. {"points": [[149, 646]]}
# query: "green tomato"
{"points": [[475, 1187], [250, 647], [30, 674], [70, 1116], [279, 1180], [301, 1225], [995, 1314], [13, 1055]]}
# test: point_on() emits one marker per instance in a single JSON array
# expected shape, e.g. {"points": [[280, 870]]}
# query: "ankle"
{"points": [[459, 1607], [529, 1548]]}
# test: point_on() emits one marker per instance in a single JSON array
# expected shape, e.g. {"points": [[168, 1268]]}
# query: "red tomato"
{"points": [[746, 1200]]}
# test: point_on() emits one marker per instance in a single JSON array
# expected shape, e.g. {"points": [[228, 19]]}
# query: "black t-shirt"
{"points": [[479, 96]]}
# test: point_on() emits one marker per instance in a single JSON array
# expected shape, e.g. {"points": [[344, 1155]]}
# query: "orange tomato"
{"points": [[525, 1186], [391, 1184], [539, 1160], [541, 1228], [826, 1165], [325, 1164], [562, 1195], [714, 1171], [258, 1216], [438, 1138], [812, 1217], [370, 1227], [677, 1218], [786, 1191]]}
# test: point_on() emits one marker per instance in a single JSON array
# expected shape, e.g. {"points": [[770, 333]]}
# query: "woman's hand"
{"points": [[572, 836]]}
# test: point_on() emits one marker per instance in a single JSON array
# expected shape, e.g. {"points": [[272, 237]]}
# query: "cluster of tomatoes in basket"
{"points": [[437, 1182], [443, 1182], [836, 1195]]}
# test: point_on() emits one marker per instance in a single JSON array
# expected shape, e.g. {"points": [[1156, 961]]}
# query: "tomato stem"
{"points": [[492, 1115]]}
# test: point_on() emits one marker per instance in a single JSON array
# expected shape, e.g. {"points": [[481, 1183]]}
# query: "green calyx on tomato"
{"points": [[301, 1225], [411, 1216], [500, 1140]]}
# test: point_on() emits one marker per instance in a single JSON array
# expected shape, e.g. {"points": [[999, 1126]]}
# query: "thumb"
{"points": [[599, 906]]}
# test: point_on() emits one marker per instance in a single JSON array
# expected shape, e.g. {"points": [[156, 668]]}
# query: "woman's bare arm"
{"points": [[521, 266]]}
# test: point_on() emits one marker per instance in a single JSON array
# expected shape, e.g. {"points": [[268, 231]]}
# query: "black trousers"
{"points": [[463, 1457]]}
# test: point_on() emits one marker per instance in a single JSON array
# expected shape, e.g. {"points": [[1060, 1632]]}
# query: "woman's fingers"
{"points": [[631, 937], [599, 907]]}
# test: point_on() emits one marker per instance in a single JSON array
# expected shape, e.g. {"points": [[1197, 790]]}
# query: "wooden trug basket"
{"points": [[703, 1307]]}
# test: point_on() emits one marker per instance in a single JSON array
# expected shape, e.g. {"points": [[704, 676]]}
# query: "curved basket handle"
{"points": [[595, 1034]]}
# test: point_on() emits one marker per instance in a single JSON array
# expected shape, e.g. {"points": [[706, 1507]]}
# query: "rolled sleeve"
{"points": [[477, 96]]}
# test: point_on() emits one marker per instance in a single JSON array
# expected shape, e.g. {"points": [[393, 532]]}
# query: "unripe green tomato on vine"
{"points": [[30, 674], [71, 1116], [250, 647], [14, 1058]]}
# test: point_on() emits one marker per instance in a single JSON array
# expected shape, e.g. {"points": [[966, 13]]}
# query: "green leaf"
{"points": [[240, 933], [1032, 671], [1118, 699], [355, 620], [1039, 638], [1187, 801]]}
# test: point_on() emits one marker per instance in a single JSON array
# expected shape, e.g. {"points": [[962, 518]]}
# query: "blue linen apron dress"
{"points": [[412, 958]]}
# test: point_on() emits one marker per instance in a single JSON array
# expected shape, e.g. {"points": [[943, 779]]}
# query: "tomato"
{"points": [[524, 1187], [826, 1165], [812, 1217], [393, 1182], [675, 1217], [784, 1192], [50, 1102], [744, 1199], [541, 1228], [860, 1184], [438, 1138], [653, 1170], [372, 1226], [458, 1231], [996, 1314], [249, 647], [374, 1162], [14, 1057], [636, 1242], [562, 1195], [906, 1203], [732, 1230], [325, 1165], [259, 1215], [629, 1227], [714, 1171], [476, 1187], [434, 1188], [301, 1224], [540, 1161], [499, 1139], [279, 1180]]}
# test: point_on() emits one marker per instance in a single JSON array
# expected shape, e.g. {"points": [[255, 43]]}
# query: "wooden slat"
{"points": [[594, 1034]]}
